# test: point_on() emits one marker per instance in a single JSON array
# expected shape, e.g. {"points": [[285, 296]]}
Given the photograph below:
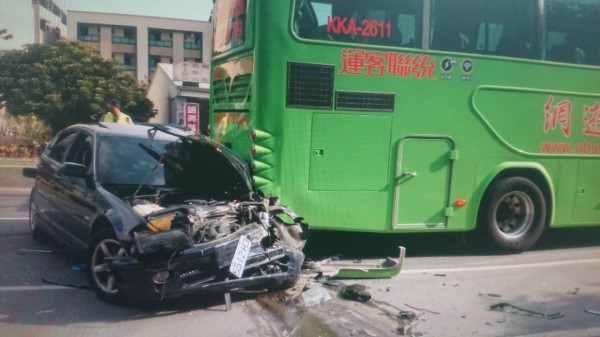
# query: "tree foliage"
{"points": [[27, 127], [66, 83]]}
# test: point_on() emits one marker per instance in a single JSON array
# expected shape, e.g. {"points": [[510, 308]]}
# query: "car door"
{"points": [[45, 192], [74, 202]]}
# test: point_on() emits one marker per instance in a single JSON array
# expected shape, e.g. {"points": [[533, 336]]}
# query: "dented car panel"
{"points": [[161, 213], [194, 253], [196, 269]]}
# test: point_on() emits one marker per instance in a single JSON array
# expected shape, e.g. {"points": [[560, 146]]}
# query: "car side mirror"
{"points": [[73, 170], [29, 172]]}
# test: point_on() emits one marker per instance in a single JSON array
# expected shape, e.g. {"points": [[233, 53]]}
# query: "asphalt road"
{"points": [[446, 288]]}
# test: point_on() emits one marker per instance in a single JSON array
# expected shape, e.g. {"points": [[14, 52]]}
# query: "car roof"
{"points": [[129, 130]]}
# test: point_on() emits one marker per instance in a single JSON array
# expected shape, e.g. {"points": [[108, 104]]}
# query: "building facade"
{"points": [[140, 43], [24, 22], [178, 100]]}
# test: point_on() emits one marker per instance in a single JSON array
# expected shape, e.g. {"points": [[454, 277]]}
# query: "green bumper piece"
{"points": [[387, 269]]}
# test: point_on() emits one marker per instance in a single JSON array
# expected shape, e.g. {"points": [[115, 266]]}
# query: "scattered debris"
{"points": [[407, 315], [296, 290], [36, 251], [503, 306], [407, 321], [65, 284], [439, 274], [314, 296], [368, 333], [589, 309], [354, 331], [79, 267], [573, 292], [311, 265], [326, 280], [422, 309], [355, 292]]}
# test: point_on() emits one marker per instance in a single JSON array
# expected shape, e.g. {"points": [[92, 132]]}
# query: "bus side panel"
{"points": [[549, 127], [339, 175], [587, 200]]}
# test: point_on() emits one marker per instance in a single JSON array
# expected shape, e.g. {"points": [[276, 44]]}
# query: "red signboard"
{"points": [[191, 114]]}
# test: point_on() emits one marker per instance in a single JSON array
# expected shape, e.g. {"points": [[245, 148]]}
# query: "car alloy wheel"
{"points": [[104, 247]]}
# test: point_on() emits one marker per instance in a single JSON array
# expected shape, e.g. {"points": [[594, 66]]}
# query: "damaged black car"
{"points": [[160, 213]]}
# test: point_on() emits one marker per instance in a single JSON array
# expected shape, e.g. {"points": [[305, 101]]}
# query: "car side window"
{"points": [[61, 146], [81, 151]]}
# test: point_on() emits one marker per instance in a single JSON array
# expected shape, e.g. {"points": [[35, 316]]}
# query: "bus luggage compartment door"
{"points": [[422, 182]]}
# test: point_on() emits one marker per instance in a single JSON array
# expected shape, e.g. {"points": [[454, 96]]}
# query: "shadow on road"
{"points": [[350, 245]]}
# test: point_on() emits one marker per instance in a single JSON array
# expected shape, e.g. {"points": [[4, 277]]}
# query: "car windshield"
{"points": [[122, 161]]}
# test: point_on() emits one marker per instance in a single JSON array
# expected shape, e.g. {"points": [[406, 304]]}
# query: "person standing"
{"points": [[114, 114]]}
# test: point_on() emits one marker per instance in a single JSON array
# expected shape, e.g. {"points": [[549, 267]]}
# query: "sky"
{"points": [[180, 9], [17, 15]]}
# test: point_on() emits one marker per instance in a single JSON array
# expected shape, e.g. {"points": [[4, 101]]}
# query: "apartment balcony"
{"points": [[130, 67], [157, 43], [123, 40], [89, 38], [190, 45]]}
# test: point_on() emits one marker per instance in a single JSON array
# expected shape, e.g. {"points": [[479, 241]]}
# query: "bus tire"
{"points": [[514, 214]]}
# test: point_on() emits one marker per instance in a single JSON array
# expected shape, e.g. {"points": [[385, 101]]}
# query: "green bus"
{"points": [[416, 115]]}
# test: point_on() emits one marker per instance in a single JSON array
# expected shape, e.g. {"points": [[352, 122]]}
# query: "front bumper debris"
{"points": [[364, 270], [205, 268]]}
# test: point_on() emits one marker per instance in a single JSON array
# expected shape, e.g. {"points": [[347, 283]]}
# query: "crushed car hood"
{"points": [[202, 167]]}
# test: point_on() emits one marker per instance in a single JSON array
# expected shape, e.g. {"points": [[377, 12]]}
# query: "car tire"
{"points": [[35, 230], [104, 245], [514, 214]]}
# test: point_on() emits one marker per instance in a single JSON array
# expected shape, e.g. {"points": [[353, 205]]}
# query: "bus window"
{"points": [[572, 31], [454, 25], [380, 22], [506, 28]]}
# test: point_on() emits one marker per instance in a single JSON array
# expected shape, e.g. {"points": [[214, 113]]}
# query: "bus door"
{"points": [[422, 182]]}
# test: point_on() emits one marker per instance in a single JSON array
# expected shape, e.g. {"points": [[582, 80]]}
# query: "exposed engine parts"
{"points": [[205, 221]]}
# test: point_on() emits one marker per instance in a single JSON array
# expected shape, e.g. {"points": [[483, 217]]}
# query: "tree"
{"points": [[66, 83], [27, 127]]}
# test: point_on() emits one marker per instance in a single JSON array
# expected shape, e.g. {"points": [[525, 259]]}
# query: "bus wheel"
{"points": [[515, 214]]}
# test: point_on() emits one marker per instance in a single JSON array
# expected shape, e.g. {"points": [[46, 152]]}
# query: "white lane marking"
{"points": [[487, 268], [30, 288], [13, 219]]}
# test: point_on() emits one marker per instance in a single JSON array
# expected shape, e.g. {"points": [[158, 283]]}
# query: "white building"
{"points": [[174, 95], [26, 22], [140, 43]]}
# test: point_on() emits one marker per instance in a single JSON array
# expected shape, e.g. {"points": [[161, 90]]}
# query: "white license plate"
{"points": [[241, 255]]}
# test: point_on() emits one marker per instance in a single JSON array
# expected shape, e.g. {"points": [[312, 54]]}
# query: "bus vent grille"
{"points": [[224, 91], [364, 101], [310, 86]]}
